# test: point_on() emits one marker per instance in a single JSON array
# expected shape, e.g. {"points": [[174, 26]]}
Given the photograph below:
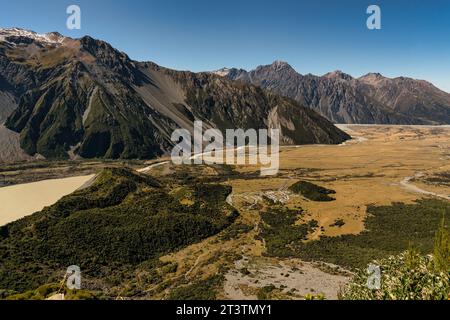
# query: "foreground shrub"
{"points": [[441, 250], [408, 276]]}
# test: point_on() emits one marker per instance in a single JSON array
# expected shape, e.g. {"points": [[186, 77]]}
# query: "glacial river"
{"points": [[21, 200]]}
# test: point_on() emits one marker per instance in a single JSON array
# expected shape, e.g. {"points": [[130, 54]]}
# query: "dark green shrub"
{"points": [[311, 191]]}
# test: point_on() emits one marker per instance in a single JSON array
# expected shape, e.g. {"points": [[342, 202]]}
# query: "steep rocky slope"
{"points": [[371, 99], [82, 97]]}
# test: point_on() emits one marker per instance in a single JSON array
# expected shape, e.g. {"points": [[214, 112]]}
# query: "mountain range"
{"points": [[74, 98], [370, 99]]}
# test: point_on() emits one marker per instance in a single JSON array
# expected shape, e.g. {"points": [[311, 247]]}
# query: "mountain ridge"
{"points": [[84, 98], [369, 99]]}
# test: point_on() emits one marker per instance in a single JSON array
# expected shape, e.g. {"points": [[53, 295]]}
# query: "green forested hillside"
{"points": [[122, 221]]}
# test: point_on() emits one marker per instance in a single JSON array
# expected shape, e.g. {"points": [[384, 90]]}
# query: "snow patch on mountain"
{"points": [[222, 72], [48, 38]]}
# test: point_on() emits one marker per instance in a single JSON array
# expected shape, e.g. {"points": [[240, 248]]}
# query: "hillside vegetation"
{"points": [[118, 226], [389, 230]]}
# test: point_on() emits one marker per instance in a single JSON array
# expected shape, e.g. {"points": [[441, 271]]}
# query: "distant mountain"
{"points": [[371, 99], [81, 97]]}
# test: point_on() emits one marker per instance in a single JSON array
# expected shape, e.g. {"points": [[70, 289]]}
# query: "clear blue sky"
{"points": [[313, 36]]}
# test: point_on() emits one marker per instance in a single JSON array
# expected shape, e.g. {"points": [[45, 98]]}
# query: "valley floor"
{"points": [[369, 170], [380, 166]]}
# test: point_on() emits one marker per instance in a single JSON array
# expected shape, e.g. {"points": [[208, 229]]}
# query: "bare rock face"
{"points": [[371, 99], [84, 98], [7, 105], [10, 150]]}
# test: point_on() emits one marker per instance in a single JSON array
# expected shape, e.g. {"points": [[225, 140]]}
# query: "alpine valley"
{"points": [[86, 180]]}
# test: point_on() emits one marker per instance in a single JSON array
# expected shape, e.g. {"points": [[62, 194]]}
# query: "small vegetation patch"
{"points": [[200, 290], [265, 292], [280, 231], [338, 223], [312, 192], [234, 231], [442, 178]]}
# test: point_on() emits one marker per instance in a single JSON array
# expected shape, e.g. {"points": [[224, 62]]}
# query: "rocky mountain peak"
{"points": [[341, 98], [280, 65], [231, 73], [338, 74], [223, 72], [110, 57], [372, 78], [17, 35]]}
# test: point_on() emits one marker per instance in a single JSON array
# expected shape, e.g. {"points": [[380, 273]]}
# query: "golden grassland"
{"points": [[380, 166], [365, 171]]}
